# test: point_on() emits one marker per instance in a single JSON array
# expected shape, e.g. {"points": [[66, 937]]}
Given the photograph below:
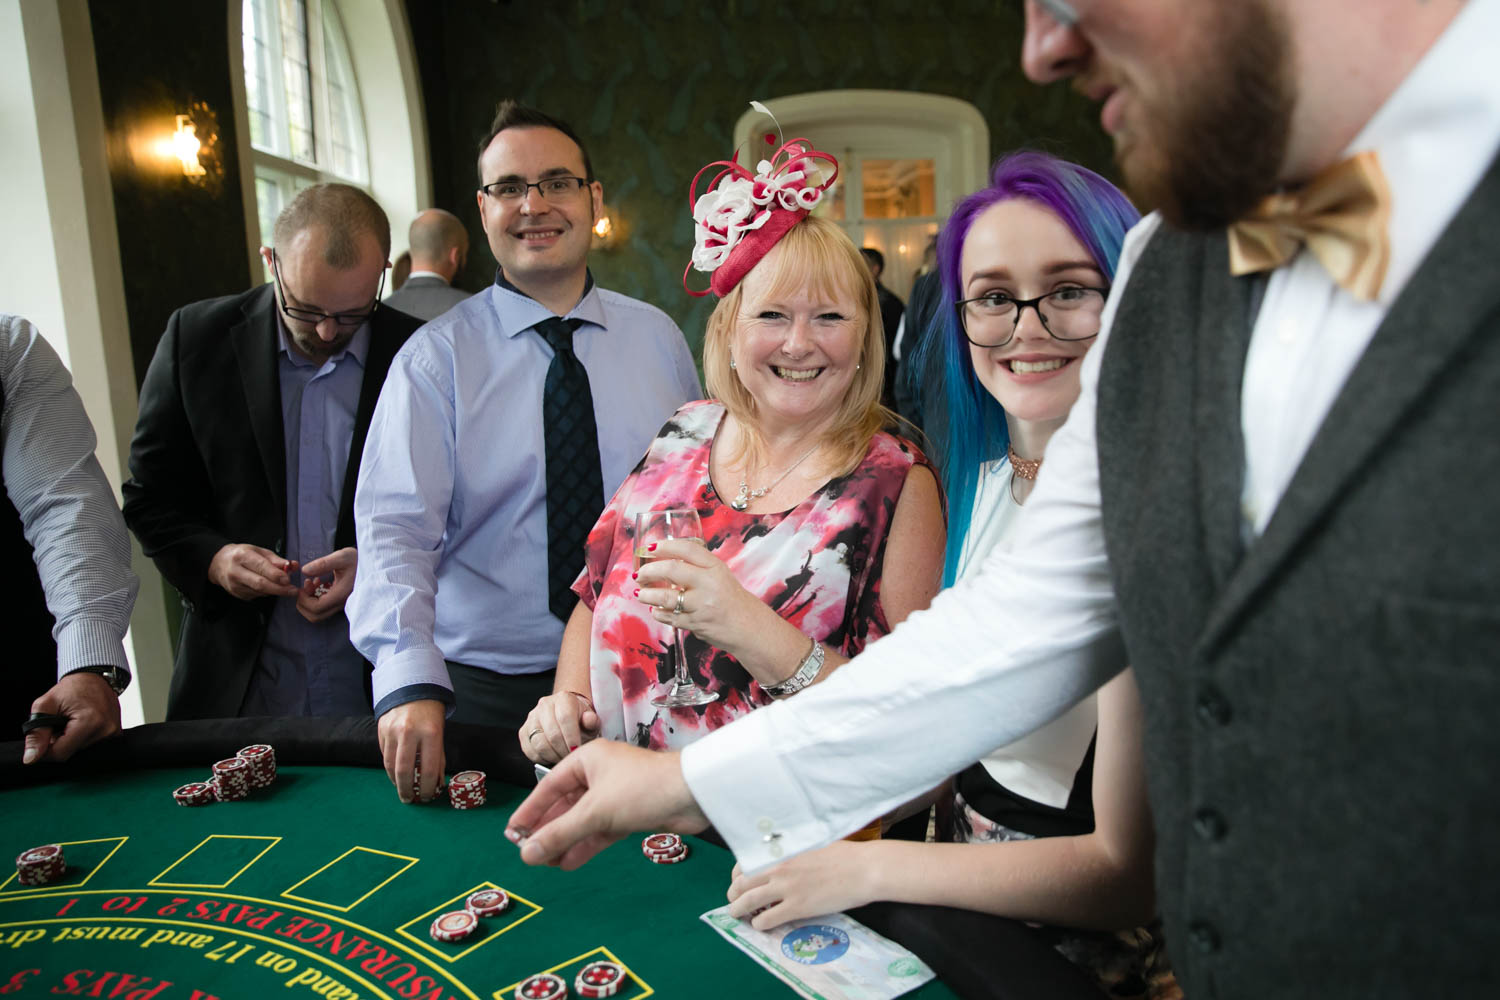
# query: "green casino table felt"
{"points": [[324, 885]]}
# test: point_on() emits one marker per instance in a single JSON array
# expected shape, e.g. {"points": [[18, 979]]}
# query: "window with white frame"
{"points": [[306, 121]]}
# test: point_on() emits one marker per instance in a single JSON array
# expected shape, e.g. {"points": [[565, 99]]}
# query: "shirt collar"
{"points": [[1436, 135], [519, 312], [357, 348], [427, 274]]}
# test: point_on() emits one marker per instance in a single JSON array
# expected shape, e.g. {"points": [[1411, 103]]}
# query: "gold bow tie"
{"points": [[1340, 215]]}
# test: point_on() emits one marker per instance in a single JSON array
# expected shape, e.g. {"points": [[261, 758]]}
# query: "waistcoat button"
{"points": [[1204, 937], [1213, 709], [1210, 824]]}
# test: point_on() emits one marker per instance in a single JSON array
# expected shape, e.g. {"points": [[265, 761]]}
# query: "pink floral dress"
{"points": [[817, 565]]}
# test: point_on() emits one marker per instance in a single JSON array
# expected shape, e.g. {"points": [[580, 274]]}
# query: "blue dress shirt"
{"points": [[311, 668], [450, 511]]}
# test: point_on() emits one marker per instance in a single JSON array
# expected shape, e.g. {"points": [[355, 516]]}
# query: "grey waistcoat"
{"points": [[1320, 732]]}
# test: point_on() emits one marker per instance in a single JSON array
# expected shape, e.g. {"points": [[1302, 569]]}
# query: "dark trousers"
{"points": [[501, 700]]}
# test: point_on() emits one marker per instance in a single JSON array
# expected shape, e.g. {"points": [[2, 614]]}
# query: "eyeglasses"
{"points": [[1060, 11], [1067, 314], [314, 316], [559, 188]]}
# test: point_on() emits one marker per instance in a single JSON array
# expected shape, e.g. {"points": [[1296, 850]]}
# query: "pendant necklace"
{"points": [[742, 501]]}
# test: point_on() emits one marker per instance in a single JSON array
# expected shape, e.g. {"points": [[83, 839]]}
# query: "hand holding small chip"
{"points": [[597, 795], [248, 572], [326, 584]]}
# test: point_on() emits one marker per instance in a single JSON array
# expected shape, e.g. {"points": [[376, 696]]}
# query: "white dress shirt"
{"points": [[1001, 654]]}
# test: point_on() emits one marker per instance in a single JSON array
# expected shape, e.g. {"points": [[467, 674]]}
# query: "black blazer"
{"points": [[208, 468]]}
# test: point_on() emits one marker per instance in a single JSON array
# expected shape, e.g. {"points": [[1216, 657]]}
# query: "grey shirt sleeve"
{"points": [[67, 509]]}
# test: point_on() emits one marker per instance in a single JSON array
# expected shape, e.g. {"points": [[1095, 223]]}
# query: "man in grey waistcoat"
{"points": [[1275, 497], [439, 247]]}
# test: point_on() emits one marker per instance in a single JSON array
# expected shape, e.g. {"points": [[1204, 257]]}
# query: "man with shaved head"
{"points": [[439, 247], [252, 421]]}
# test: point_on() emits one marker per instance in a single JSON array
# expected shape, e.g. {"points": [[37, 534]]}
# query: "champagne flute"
{"points": [[660, 526]]}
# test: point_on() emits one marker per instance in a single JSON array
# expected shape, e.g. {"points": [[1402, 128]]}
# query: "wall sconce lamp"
{"points": [[185, 146], [608, 232]]}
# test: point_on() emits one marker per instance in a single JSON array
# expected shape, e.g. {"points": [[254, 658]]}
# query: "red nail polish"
{"points": [[635, 576], [651, 547], [637, 592], [570, 749]]}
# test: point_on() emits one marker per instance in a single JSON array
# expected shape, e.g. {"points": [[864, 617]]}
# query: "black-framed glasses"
{"points": [[315, 316], [559, 188], [1070, 313]]}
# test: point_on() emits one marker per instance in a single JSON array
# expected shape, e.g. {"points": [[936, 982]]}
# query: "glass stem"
{"points": [[681, 658]]}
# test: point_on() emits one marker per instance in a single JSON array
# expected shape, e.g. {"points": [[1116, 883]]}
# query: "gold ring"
{"points": [[532, 734], [678, 610]]}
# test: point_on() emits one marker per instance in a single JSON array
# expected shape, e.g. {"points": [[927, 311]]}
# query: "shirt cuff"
{"points": [[422, 665], [416, 692], [90, 642], [780, 822]]}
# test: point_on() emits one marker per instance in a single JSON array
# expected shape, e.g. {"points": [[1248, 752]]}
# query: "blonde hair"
{"points": [[815, 253]]}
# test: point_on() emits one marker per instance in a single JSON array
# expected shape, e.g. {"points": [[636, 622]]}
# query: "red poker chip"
{"points": [[453, 926], [488, 902], [40, 865], [599, 979], [669, 859], [195, 793], [542, 986], [44, 855], [662, 843]]}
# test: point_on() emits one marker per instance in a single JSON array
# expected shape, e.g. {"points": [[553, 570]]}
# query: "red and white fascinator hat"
{"points": [[741, 215]]}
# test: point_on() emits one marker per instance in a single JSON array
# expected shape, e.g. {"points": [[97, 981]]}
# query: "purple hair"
{"points": [[1098, 215]]}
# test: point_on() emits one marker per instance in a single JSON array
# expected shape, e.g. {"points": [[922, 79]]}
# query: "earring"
{"points": [[858, 367], [732, 365]]}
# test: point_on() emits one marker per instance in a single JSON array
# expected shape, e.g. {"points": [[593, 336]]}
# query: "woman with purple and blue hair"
{"points": [[1055, 828]]}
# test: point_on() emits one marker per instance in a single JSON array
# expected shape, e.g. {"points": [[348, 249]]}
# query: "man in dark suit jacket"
{"points": [[252, 419], [439, 247]]}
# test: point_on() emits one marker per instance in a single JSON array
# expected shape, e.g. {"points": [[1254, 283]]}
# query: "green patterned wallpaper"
{"points": [[655, 89]]}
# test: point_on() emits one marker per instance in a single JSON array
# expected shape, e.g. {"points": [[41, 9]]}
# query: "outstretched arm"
{"points": [[1097, 880]]}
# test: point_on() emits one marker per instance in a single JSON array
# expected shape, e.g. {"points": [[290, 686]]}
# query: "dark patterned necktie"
{"points": [[575, 486]]}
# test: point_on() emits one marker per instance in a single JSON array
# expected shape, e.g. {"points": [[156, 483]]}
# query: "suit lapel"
{"points": [[1218, 442], [255, 344], [1427, 327]]}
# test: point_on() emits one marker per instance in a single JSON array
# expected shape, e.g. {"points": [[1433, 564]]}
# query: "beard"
{"points": [[312, 346], [1215, 147]]}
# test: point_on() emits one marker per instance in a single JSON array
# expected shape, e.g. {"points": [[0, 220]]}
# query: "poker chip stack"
{"points": [[665, 848], [234, 778], [40, 865], [454, 925], [599, 979], [416, 783], [196, 793], [542, 986], [488, 902], [231, 779], [262, 760], [466, 790]]}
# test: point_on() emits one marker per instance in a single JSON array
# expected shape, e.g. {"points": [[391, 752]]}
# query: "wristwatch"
{"points": [[117, 679], [807, 672]]}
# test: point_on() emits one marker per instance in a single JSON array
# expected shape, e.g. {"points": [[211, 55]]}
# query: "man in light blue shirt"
{"points": [[452, 604]]}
